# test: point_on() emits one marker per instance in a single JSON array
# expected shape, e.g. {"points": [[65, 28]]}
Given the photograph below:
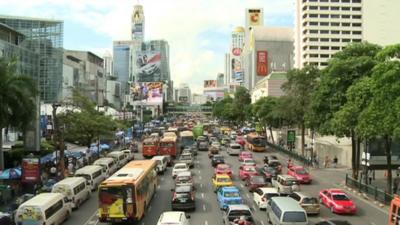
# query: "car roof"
{"points": [[298, 167], [285, 176], [183, 188], [269, 190], [184, 174], [248, 166], [169, 217], [234, 144], [230, 188], [180, 164], [303, 195], [288, 203], [239, 207]]}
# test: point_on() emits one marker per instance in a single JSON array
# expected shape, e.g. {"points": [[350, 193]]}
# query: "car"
{"points": [[268, 172], [333, 222], [308, 203], [261, 196], [200, 139], [183, 198], [223, 169], [240, 140], [233, 135], [187, 158], [187, 151], [203, 145], [337, 201], [213, 139], [174, 217], [301, 174], [270, 157], [233, 213], [225, 141], [216, 144], [276, 164], [179, 167], [217, 159], [221, 180], [254, 182], [248, 162], [286, 184], [245, 171], [234, 149], [212, 151], [245, 155], [228, 196], [184, 178]]}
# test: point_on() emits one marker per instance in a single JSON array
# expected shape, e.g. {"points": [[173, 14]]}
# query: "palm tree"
{"points": [[17, 99]]}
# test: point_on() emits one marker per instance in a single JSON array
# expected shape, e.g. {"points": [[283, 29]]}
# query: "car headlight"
{"points": [[339, 207]]}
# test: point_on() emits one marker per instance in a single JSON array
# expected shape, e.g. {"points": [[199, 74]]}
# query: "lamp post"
{"points": [[58, 139]]}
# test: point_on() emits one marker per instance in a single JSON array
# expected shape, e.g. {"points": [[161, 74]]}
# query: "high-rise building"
{"points": [[108, 64], [324, 27], [44, 37], [184, 93], [220, 80], [234, 61], [137, 23], [122, 60]]}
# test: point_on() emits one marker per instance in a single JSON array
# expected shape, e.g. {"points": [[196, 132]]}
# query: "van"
{"points": [[162, 163], [109, 165], [121, 158], [45, 208], [285, 211], [74, 188], [129, 154], [93, 175], [285, 184]]}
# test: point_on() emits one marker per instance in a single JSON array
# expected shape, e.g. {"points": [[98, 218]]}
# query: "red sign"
{"points": [[30, 170], [262, 63], [236, 51]]}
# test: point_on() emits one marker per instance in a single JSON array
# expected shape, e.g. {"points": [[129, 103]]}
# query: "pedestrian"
{"points": [[53, 171], [396, 183], [71, 168], [326, 162], [335, 161]]}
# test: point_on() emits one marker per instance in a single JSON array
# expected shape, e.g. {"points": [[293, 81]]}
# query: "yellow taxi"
{"points": [[221, 180]]}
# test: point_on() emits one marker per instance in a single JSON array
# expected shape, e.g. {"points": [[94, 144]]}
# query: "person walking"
{"points": [[335, 161], [396, 183], [326, 162]]}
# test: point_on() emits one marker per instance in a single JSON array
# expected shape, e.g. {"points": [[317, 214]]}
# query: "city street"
{"points": [[207, 211]]}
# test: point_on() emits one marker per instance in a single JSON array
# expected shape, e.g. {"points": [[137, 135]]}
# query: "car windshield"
{"points": [[249, 169], [183, 178], [249, 161], [179, 167], [340, 197], [270, 195], [219, 157], [292, 217], [235, 147], [238, 213], [274, 164], [310, 200], [186, 157], [301, 171], [223, 179], [291, 182], [269, 169], [223, 167], [231, 194]]}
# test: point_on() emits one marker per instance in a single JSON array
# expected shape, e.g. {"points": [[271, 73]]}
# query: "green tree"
{"points": [[265, 112], [298, 89], [241, 105], [17, 99], [344, 69]]}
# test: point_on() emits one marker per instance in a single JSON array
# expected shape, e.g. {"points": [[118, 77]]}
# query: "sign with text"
{"points": [[262, 63], [291, 136], [30, 170]]}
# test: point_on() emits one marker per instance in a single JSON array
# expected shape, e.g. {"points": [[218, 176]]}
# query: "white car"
{"points": [[173, 217], [234, 149], [248, 162], [261, 196], [179, 167]]}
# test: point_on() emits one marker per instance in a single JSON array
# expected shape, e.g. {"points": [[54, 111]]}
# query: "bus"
{"points": [[187, 138], [394, 211], [150, 146], [168, 146], [125, 195], [198, 130], [256, 142]]}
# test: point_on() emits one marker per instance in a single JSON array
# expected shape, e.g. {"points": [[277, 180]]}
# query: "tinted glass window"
{"points": [[294, 217], [340, 197]]}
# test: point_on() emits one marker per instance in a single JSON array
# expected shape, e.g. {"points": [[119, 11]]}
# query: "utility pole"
{"points": [[58, 139]]}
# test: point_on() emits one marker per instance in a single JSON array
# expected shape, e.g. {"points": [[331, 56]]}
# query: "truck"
{"points": [[198, 130]]}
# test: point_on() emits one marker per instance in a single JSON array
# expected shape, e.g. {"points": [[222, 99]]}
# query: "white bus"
{"points": [[74, 188], [45, 208], [93, 175]]}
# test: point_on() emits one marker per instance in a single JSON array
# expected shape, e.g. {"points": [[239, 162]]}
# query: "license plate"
{"points": [[183, 200]]}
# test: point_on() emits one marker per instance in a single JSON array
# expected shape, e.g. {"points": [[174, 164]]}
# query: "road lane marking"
{"points": [[199, 171], [91, 217], [206, 222], [200, 177], [241, 185], [202, 195], [204, 207], [201, 185], [262, 222], [149, 208]]}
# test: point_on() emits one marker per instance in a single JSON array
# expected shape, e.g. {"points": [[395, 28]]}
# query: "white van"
{"points": [[74, 188], [93, 175], [108, 164], [121, 158], [129, 154], [286, 184], [162, 163], [45, 208], [285, 211]]}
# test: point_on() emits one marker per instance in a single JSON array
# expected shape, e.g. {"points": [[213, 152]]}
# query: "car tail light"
{"points": [[174, 197]]}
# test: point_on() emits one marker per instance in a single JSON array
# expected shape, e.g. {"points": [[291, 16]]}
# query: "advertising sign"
{"points": [[262, 63], [148, 64], [237, 71], [210, 83], [30, 170], [147, 92], [236, 51], [291, 136], [254, 17]]}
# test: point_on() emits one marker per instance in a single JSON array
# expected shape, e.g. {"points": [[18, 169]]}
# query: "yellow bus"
{"points": [[256, 142], [125, 195]]}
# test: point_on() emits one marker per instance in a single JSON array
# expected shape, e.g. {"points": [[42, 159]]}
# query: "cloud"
{"points": [[198, 31]]}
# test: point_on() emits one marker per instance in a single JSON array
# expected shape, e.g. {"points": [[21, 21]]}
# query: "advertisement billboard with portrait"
{"points": [[150, 93], [210, 83], [236, 70], [148, 65]]}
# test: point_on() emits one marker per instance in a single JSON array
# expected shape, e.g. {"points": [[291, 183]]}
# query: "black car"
{"points": [[217, 159], [268, 172], [333, 222], [183, 198], [271, 157]]}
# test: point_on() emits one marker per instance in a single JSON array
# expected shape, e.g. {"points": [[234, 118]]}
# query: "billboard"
{"points": [[150, 93], [148, 65], [254, 17], [262, 63], [236, 70], [210, 83], [30, 170]]}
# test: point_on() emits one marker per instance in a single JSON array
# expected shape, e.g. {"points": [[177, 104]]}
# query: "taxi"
{"points": [[338, 201], [301, 175], [223, 169], [245, 155], [246, 171], [221, 180]]}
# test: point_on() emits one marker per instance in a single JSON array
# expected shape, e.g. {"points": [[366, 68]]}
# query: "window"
{"points": [[324, 31], [356, 16], [346, 16], [345, 32], [333, 16], [79, 188], [323, 63], [356, 40], [323, 0], [313, 15], [345, 40], [290, 217], [295, 196], [334, 0], [346, 24], [335, 8], [356, 24], [312, 47], [313, 39], [53, 209], [324, 47], [324, 23], [324, 7], [335, 40], [356, 9], [313, 55], [323, 15], [335, 32], [345, 1], [324, 56], [313, 7], [277, 211], [313, 31], [96, 174], [324, 39], [335, 48], [346, 8], [356, 1], [335, 24], [313, 23]]}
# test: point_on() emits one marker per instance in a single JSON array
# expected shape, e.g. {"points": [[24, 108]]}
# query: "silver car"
{"points": [[187, 158], [234, 149]]}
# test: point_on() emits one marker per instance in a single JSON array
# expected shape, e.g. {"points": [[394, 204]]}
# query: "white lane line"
{"points": [[206, 222], [241, 185], [262, 222], [204, 207], [200, 177], [199, 171], [201, 185], [247, 194], [91, 217], [162, 178], [158, 187], [202, 195], [373, 223], [149, 208]]}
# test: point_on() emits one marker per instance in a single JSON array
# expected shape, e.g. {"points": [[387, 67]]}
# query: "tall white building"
{"points": [[324, 27], [184, 93], [108, 64]]}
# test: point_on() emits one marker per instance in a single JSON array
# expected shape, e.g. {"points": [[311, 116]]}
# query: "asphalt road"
{"points": [[207, 211]]}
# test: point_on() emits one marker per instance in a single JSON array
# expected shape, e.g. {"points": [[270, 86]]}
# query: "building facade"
{"points": [[198, 99], [44, 37], [184, 94], [270, 85], [324, 27]]}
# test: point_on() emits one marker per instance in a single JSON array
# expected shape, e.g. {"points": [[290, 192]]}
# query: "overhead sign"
{"points": [[30, 170], [262, 63]]}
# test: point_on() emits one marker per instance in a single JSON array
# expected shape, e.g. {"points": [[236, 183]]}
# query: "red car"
{"points": [[338, 201], [245, 155], [246, 171], [223, 169], [240, 141], [254, 182], [301, 175]]}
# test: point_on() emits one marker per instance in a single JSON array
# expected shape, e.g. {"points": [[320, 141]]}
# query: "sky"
{"points": [[198, 31]]}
